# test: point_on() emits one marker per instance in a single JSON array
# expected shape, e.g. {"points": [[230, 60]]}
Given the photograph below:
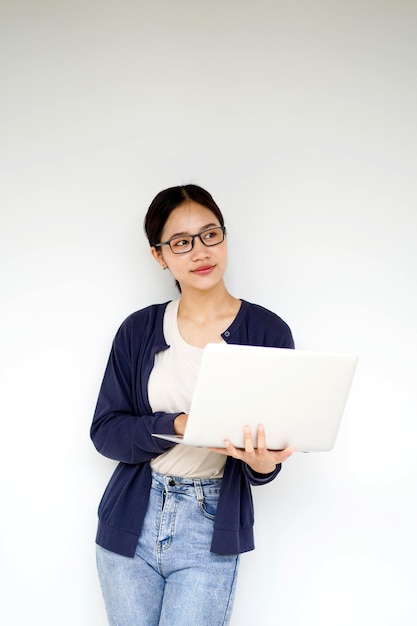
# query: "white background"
{"points": [[299, 117]]}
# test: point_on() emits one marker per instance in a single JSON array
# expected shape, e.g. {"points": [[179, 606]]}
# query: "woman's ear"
{"points": [[157, 255]]}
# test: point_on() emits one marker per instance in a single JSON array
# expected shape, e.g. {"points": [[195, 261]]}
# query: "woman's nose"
{"points": [[199, 248]]}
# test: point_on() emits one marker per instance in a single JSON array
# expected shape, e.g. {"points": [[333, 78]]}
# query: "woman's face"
{"points": [[204, 266]]}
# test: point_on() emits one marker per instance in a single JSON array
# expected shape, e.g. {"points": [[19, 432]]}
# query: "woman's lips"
{"points": [[203, 270]]}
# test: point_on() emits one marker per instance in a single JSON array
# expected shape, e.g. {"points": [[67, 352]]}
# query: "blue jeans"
{"points": [[173, 579]]}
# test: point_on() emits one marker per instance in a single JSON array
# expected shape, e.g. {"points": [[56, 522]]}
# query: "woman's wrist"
{"points": [[179, 423]]}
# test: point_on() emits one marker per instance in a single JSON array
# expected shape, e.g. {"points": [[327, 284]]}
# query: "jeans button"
{"points": [[171, 483]]}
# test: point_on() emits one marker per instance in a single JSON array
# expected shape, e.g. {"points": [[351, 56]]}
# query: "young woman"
{"points": [[174, 519]]}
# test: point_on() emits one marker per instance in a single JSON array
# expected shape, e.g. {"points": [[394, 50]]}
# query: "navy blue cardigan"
{"points": [[123, 423]]}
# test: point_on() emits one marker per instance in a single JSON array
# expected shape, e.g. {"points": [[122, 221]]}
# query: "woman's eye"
{"points": [[179, 243], [212, 234]]}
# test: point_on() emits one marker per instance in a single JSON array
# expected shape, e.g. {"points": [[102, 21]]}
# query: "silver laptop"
{"points": [[299, 397]]}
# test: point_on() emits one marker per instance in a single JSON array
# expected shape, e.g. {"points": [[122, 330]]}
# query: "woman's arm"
{"points": [[128, 438], [122, 427]]}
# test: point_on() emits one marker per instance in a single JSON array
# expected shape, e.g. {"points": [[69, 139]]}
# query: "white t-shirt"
{"points": [[170, 388]]}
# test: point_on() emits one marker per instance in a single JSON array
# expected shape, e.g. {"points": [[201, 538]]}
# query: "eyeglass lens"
{"points": [[209, 237]]}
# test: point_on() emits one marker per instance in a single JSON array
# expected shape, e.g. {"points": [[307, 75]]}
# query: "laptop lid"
{"points": [[299, 396]]}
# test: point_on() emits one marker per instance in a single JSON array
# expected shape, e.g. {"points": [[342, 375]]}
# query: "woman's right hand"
{"points": [[180, 423]]}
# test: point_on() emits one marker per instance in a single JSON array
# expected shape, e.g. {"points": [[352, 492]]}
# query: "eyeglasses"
{"points": [[209, 237]]}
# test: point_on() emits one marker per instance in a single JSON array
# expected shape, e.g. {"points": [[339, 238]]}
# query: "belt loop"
{"points": [[199, 490]]}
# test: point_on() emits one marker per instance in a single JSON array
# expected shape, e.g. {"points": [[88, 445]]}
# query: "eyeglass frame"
{"points": [[208, 245]]}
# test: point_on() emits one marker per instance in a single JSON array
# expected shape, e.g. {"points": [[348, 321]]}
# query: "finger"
{"points": [[261, 437], [247, 437], [228, 450], [231, 450]]}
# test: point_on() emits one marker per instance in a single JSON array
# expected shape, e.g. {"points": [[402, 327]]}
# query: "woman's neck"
{"points": [[201, 305], [203, 317]]}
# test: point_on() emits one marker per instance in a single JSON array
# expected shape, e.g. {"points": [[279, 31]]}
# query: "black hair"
{"points": [[169, 199]]}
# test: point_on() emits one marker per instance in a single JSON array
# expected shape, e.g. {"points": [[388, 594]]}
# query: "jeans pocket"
{"points": [[208, 506]]}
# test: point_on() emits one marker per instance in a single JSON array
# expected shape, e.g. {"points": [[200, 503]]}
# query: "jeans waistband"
{"points": [[170, 482]]}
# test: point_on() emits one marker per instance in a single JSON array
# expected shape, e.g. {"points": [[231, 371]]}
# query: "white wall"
{"points": [[299, 117]]}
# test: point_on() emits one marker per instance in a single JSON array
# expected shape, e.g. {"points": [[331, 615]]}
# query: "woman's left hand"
{"points": [[260, 459]]}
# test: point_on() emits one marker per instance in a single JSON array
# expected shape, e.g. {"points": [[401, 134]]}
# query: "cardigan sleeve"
{"points": [[256, 479], [120, 429]]}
